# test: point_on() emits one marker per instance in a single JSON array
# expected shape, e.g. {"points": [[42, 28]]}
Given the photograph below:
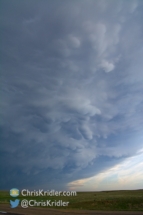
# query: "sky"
{"points": [[71, 94]]}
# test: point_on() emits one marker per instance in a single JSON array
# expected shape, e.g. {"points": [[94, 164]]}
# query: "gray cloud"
{"points": [[71, 84]]}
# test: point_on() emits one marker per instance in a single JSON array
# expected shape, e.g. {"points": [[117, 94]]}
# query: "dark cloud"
{"points": [[71, 89]]}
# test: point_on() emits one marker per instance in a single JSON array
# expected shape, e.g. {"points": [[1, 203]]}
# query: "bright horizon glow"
{"points": [[127, 175]]}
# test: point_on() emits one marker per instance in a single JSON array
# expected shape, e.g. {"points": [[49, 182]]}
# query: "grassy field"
{"points": [[106, 200]]}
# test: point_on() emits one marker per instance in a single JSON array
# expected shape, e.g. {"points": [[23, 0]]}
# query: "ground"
{"points": [[107, 202]]}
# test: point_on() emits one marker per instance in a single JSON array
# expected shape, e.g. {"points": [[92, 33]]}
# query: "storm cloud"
{"points": [[71, 89]]}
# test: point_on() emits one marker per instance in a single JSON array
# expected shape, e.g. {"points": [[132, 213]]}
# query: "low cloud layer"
{"points": [[126, 175], [71, 89]]}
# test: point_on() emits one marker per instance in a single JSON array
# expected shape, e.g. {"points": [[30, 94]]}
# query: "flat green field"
{"points": [[131, 200]]}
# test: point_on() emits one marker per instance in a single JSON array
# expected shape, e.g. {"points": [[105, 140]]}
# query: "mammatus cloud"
{"points": [[71, 88], [108, 67]]}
